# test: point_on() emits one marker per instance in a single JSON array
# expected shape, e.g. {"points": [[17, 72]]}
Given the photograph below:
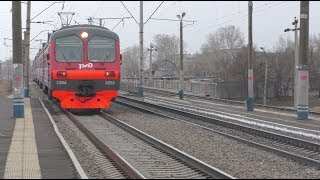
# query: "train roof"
{"points": [[77, 29], [82, 25]]}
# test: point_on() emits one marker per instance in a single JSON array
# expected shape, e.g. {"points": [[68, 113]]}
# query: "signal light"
{"points": [[110, 74], [62, 73], [286, 30]]}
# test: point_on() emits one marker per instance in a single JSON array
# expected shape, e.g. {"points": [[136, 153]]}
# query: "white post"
{"points": [[265, 82], [296, 61]]}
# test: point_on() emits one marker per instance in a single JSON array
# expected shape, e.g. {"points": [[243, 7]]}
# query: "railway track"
{"points": [[293, 148], [137, 154], [171, 93]]}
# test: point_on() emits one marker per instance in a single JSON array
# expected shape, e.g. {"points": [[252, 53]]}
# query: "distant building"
{"points": [[170, 67], [165, 69]]}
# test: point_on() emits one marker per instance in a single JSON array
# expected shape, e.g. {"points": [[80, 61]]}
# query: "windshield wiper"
{"points": [[107, 57], [64, 56]]}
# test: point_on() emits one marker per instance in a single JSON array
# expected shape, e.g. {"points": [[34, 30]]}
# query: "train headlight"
{"points": [[84, 35]]}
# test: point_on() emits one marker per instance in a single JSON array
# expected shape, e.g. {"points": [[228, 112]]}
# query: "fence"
{"points": [[193, 88]]}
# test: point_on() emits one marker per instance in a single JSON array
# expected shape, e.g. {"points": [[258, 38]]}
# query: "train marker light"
{"points": [[110, 73], [84, 35], [62, 73]]}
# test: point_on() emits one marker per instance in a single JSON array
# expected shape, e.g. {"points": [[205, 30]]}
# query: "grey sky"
{"points": [[270, 18]]}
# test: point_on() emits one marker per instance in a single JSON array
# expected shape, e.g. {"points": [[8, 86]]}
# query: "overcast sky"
{"points": [[270, 18]]}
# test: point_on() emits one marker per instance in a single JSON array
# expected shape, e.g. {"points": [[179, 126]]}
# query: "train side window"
{"points": [[69, 49], [101, 49]]}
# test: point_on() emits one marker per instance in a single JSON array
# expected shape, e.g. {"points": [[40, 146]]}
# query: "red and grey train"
{"points": [[80, 67]]}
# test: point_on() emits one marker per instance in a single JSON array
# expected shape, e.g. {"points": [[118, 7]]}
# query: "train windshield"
{"points": [[101, 49], [69, 49]]}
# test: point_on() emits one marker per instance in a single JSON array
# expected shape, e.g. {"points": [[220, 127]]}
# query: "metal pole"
{"points": [[265, 81], [23, 57], [100, 22], [141, 87], [181, 62], [90, 21], [296, 61], [303, 69], [8, 71], [150, 69], [27, 51], [250, 99], [18, 98]]}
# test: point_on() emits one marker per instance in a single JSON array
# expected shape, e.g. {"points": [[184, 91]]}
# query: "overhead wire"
{"points": [[98, 8], [42, 11], [122, 20], [129, 12], [245, 16], [242, 11], [119, 23], [154, 12]]}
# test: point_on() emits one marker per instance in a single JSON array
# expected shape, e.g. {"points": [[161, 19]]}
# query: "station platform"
{"points": [[30, 148]]}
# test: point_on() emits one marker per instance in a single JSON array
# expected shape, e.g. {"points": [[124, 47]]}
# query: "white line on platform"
{"points": [[66, 146]]}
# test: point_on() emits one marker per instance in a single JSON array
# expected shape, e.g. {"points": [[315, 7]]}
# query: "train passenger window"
{"points": [[101, 49], [69, 49]]}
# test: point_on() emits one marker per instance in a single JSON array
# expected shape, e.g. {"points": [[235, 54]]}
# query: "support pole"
{"points": [[27, 52], [150, 69], [141, 86], [250, 99], [18, 97], [265, 81], [181, 62], [296, 63], [303, 68]]}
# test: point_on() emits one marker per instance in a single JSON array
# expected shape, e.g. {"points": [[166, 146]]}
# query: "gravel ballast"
{"points": [[231, 156]]}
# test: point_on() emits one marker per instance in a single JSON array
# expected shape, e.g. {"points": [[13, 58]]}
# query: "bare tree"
{"points": [[222, 50], [282, 67], [314, 49], [228, 37], [130, 61], [167, 48]]}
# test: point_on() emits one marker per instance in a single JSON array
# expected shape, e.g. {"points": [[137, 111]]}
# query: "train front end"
{"points": [[84, 67]]}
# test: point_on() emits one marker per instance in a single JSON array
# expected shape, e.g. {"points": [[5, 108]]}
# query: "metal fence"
{"points": [[193, 88]]}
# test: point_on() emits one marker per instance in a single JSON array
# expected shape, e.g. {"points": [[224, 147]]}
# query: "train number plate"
{"points": [[61, 82], [110, 83]]}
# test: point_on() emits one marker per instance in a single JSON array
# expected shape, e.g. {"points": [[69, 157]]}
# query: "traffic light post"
{"points": [[296, 59]]}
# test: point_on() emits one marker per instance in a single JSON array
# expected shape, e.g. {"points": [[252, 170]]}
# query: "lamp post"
{"points": [[181, 56], [151, 49], [265, 78]]}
